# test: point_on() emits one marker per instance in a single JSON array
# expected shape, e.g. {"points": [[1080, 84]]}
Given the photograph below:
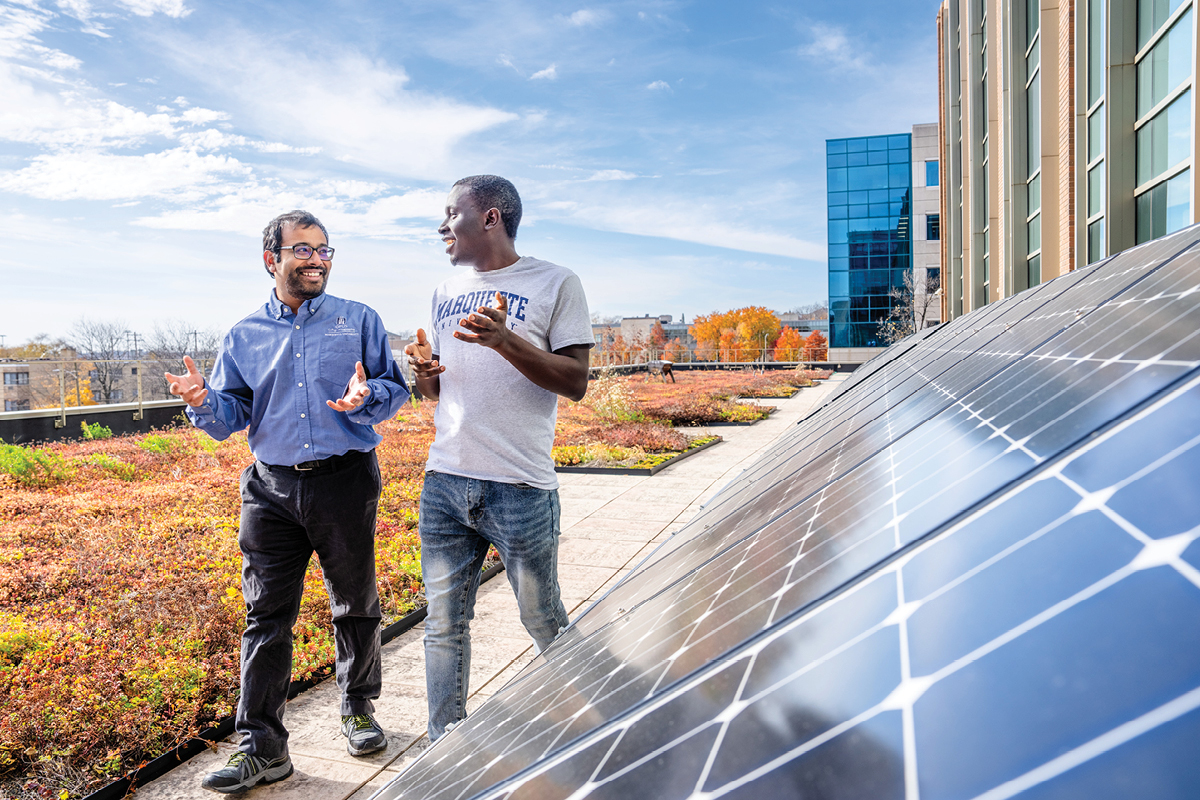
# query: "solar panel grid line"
{"points": [[1091, 591], [1100, 745], [904, 609]]}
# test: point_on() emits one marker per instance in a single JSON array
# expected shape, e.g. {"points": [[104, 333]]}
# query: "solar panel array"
{"points": [[973, 573]]}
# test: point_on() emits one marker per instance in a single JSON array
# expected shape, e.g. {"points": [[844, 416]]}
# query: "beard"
{"points": [[298, 287]]}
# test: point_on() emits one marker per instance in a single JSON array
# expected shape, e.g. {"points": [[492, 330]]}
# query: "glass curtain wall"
{"points": [[1033, 111], [1163, 131], [870, 233]]}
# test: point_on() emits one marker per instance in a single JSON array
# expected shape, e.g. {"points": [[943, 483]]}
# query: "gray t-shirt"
{"points": [[492, 422]]}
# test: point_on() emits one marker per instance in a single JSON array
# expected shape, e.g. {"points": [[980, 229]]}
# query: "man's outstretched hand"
{"points": [[420, 357], [190, 386], [486, 325], [357, 391]]}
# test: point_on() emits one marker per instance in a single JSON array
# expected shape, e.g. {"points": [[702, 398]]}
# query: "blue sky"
{"points": [[671, 153]]}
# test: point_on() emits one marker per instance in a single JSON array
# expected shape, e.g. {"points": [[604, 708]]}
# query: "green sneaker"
{"points": [[244, 771], [364, 734]]}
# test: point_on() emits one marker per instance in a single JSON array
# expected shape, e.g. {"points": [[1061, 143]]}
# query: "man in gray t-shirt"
{"points": [[507, 337]]}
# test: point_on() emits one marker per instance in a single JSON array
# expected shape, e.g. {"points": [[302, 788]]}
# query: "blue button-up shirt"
{"points": [[276, 369]]}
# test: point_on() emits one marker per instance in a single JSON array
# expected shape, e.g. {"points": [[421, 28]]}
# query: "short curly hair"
{"points": [[273, 233], [492, 191]]}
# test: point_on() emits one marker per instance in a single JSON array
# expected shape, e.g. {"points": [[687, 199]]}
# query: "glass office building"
{"points": [[870, 233]]}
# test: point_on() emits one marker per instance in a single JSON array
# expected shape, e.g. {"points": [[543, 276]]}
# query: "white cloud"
{"points": [[657, 86], [82, 11], [30, 113], [549, 73], [200, 116], [280, 147], [831, 46], [181, 101], [587, 16], [612, 175], [179, 175], [356, 188], [505, 61], [368, 116], [147, 8], [211, 139]]}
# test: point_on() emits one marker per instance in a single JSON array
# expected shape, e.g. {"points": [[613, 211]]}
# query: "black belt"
{"points": [[320, 463]]}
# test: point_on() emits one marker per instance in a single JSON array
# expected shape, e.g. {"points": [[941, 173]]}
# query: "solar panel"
{"points": [[974, 573]]}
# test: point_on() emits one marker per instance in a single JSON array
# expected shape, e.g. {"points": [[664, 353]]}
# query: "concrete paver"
{"points": [[610, 523]]}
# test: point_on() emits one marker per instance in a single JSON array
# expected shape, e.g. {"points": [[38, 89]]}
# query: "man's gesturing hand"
{"points": [[356, 391], [486, 325], [190, 386], [420, 357]]}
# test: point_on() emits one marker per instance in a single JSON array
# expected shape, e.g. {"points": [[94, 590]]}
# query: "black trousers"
{"points": [[287, 515]]}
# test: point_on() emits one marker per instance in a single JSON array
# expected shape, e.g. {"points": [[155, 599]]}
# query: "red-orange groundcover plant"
{"points": [[120, 602]]}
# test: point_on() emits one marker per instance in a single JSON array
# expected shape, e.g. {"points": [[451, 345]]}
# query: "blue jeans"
{"points": [[459, 518]]}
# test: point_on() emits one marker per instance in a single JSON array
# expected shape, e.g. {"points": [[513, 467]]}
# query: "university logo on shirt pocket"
{"points": [[341, 328]]}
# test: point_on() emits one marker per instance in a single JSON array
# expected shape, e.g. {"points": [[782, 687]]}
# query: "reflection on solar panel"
{"points": [[974, 573]]}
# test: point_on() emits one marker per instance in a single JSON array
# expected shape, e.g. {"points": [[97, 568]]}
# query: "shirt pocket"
{"points": [[335, 363]]}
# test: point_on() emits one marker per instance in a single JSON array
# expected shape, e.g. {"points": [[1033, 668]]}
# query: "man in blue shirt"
{"points": [[309, 375]]}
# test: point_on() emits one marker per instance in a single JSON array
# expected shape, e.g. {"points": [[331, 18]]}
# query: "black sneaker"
{"points": [[244, 771], [364, 734]]}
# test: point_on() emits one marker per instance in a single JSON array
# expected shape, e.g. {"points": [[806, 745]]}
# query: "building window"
{"points": [[16, 405], [1164, 130], [133, 370], [1096, 164], [1033, 144], [16, 379], [931, 173], [1165, 208], [933, 227]]}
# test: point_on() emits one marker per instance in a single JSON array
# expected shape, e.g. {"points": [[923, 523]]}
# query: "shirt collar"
{"points": [[279, 310]]}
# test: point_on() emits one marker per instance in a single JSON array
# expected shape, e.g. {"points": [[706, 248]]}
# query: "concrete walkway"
{"points": [[609, 523]]}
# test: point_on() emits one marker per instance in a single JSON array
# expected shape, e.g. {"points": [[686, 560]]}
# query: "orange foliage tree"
{"points": [[737, 335], [789, 346], [675, 351], [816, 347], [658, 337]]}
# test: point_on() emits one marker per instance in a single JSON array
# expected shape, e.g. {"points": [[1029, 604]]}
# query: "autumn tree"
{"points": [[816, 347], [734, 335], [789, 346], [658, 337], [675, 351]]}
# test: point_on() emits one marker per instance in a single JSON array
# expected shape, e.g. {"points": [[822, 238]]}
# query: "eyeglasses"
{"points": [[304, 251]]}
